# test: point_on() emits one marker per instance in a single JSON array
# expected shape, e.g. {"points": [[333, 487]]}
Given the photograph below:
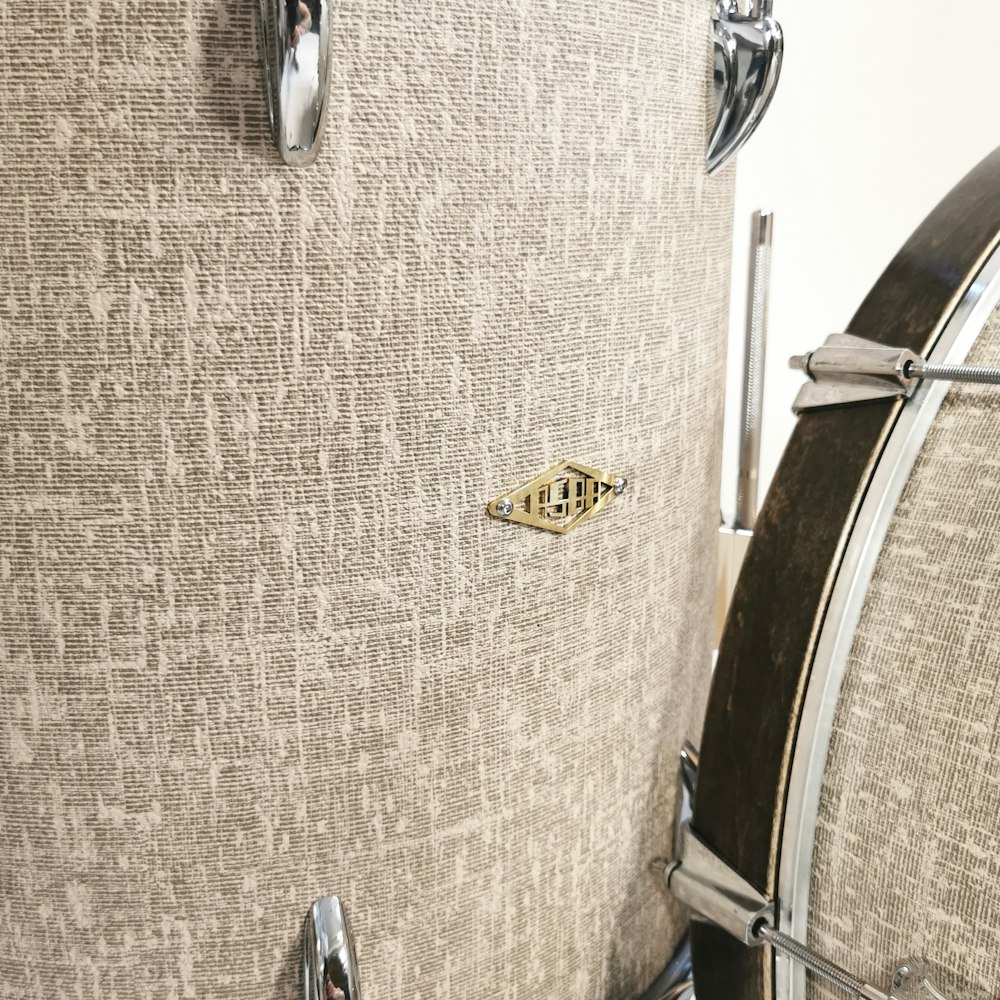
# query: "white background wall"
{"points": [[881, 108]]}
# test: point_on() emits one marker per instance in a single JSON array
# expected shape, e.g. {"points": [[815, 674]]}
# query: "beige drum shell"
{"points": [[259, 640], [907, 854]]}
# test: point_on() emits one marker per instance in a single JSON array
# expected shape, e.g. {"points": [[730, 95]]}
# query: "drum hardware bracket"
{"points": [[746, 65], [715, 893], [329, 965], [698, 877], [296, 45], [705, 883], [701, 880], [849, 369]]}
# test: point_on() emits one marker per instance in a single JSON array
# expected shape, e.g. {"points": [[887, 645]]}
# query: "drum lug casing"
{"points": [[329, 965], [701, 880], [296, 46], [849, 369]]}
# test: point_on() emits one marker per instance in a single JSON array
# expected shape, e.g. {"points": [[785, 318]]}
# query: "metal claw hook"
{"points": [[747, 64], [296, 45], [329, 966]]}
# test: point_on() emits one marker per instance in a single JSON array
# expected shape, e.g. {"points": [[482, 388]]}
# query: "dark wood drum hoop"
{"points": [[780, 602]]}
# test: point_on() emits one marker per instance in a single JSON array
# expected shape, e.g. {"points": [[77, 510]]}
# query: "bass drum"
{"points": [[850, 765], [261, 641]]}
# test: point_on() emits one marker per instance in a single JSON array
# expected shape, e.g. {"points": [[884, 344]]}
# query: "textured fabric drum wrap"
{"points": [[907, 855], [260, 641]]}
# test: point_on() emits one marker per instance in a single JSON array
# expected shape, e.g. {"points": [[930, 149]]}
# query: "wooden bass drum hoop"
{"points": [[804, 557]]}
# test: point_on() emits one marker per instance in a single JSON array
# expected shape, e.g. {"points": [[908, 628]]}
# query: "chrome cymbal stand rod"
{"points": [[735, 537], [752, 409]]}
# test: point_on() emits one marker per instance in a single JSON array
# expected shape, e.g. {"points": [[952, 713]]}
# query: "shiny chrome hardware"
{"points": [[912, 981], [329, 967], [850, 369], [701, 880], [296, 46], [690, 758], [977, 374], [818, 965], [734, 539], [747, 64], [752, 410], [687, 780]]}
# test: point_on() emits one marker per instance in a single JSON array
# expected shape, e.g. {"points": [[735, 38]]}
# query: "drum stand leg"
{"points": [[676, 981]]}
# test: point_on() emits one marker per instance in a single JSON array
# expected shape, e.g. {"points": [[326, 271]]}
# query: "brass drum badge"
{"points": [[560, 499]]}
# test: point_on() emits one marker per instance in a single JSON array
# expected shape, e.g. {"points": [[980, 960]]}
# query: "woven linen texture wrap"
{"points": [[260, 641], [907, 856]]}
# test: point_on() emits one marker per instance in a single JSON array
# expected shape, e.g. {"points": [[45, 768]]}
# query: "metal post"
{"points": [[751, 411]]}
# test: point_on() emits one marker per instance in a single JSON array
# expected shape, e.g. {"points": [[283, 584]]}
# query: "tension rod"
{"points": [[981, 374], [816, 963], [715, 892], [701, 880]]}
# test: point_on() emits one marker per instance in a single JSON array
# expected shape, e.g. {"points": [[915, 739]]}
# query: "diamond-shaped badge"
{"points": [[560, 499]]}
